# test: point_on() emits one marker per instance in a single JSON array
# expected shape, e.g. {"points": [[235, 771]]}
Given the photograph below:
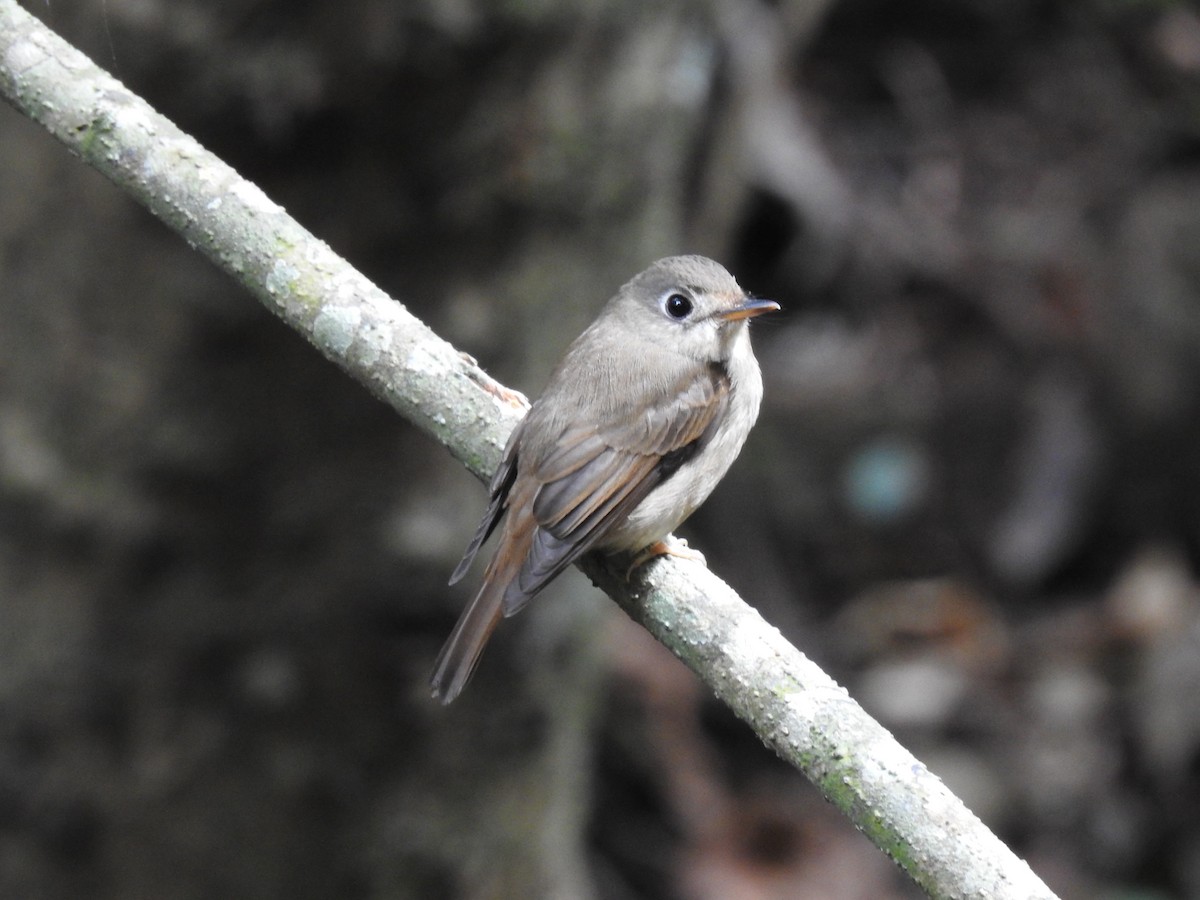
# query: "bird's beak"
{"points": [[748, 309]]}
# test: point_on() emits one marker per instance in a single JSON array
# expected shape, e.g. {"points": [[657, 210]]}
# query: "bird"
{"points": [[641, 419]]}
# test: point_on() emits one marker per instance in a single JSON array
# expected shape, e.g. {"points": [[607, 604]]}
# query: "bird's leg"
{"points": [[668, 546]]}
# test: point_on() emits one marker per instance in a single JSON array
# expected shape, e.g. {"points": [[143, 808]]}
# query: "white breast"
{"points": [[677, 498]]}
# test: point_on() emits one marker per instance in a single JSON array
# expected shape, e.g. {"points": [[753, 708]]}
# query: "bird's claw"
{"points": [[668, 546]]}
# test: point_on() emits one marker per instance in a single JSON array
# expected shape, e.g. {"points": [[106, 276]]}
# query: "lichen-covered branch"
{"points": [[812, 722], [795, 708], [244, 232]]}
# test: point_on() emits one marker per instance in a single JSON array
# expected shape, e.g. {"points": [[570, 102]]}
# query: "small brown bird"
{"points": [[640, 421]]}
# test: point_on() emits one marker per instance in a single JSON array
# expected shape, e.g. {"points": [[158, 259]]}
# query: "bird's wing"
{"points": [[596, 474], [498, 488]]}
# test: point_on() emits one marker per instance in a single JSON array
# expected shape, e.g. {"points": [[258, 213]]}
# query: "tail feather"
{"points": [[460, 654], [457, 660]]}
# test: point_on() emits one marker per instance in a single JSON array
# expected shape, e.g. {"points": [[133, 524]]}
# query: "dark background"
{"points": [[973, 494]]}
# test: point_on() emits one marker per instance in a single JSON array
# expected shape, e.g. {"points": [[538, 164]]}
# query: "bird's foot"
{"points": [[669, 546]]}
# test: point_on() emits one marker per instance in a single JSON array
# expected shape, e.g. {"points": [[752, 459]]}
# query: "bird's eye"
{"points": [[677, 306]]}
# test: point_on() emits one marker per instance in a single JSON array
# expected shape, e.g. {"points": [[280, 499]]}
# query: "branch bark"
{"points": [[792, 705]]}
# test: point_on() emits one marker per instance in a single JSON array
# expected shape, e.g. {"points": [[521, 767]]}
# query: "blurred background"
{"points": [[973, 495]]}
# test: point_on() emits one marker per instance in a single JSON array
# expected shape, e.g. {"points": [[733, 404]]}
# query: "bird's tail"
{"points": [[460, 654]]}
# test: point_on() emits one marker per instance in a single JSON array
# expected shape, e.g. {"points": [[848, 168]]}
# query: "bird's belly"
{"points": [[666, 507]]}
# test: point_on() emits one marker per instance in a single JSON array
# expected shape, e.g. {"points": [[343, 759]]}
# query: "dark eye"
{"points": [[678, 306]]}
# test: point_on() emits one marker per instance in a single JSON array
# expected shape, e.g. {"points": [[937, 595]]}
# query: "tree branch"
{"points": [[793, 706]]}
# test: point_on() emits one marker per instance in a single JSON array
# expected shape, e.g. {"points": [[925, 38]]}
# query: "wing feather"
{"points": [[498, 488], [593, 477]]}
